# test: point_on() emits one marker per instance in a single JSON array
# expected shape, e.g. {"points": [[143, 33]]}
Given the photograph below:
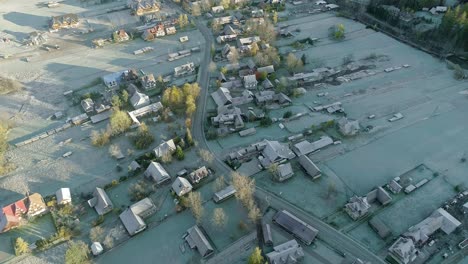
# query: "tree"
{"points": [[304, 59], [256, 257], [124, 96], [114, 150], [101, 138], [96, 234], [458, 73], [254, 49], [233, 56], [77, 253], [219, 217], [293, 63], [160, 84], [196, 10], [190, 106], [143, 138], [212, 67], [188, 136], [337, 32], [182, 21], [273, 168], [275, 17], [116, 102], [119, 122], [254, 212], [179, 153], [331, 189], [195, 204], [245, 188], [219, 184], [108, 242], [223, 70], [21, 246], [206, 155], [166, 158], [225, 3], [287, 114]]}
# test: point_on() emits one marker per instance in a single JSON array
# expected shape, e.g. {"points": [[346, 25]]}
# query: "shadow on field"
{"points": [[27, 20]]}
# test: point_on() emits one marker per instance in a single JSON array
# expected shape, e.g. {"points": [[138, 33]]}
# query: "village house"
{"points": [[152, 108], [181, 186], [87, 105], [139, 100], [288, 252], [217, 9], [36, 38], [157, 172], [101, 202], [403, 251], [298, 228], [17, 213], [275, 152], [199, 174], [185, 69], [309, 166], [154, 32], [284, 172], [250, 81], [197, 240], [148, 81], [357, 207], [348, 127], [226, 38], [222, 96], [64, 21], [270, 97], [229, 119], [132, 217], [305, 147], [120, 36], [267, 69], [142, 7], [223, 20], [171, 30], [63, 196], [165, 148]]}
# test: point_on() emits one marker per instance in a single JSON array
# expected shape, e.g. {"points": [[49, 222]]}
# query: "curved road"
{"points": [[327, 233]]}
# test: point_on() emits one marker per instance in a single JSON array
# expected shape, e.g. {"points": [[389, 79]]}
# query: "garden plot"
{"points": [[42, 227], [160, 242], [417, 206], [368, 237], [324, 195], [393, 154]]}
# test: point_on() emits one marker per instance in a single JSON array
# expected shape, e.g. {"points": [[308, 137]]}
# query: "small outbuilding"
{"points": [[63, 196]]}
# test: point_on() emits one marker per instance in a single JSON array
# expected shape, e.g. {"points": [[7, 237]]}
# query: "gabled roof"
{"points": [[288, 252], [139, 100], [275, 151], [100, 201], [309, 166], [196, 239], [156, 171], [285, 171], [181, 186], [63, 195], [296, 226], [222, 96], [132, 222], [167, 147]]}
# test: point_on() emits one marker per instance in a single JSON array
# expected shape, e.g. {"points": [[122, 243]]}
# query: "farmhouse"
{"points": [[199, 174], [132, 217], [184, 69], [290, 251], [295, 226], [181, 186], [250, 81], [101, 202], [142, 7], [157, 172], [311, 169], [64, 21], [165, 148], [148, 81], [275, 152], [13, 214], [196, 239]]}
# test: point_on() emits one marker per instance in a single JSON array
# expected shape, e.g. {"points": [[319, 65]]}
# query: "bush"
{"points": [[98, 221], [123, 178], [266, 121], [180, 155], [144, 138], [287, 114], [8, 85], [100, 139]]}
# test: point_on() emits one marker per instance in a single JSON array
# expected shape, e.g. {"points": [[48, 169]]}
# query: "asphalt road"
{"points": [[331, 236]]}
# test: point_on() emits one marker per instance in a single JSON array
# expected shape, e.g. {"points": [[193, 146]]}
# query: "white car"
{"points": [[396, 117]]}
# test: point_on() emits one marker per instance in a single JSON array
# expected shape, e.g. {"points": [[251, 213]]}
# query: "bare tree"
{"points": [[219, 217], [331, 190], [195, 204], [96, 234], [245, 188], [206, 155], [166, 158], [273, 169], [254, 213], [109, 242], [219, 184], [114, 150]]}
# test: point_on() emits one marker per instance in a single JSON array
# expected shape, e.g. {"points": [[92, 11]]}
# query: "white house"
{"points": [[181, 186], [63, 196], [157, 173]]}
